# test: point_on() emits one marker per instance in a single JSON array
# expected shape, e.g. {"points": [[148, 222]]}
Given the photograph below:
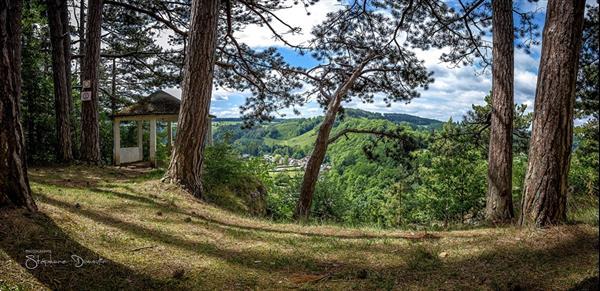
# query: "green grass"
{"points": [[306, 139], [580, 210], [152, 236]]}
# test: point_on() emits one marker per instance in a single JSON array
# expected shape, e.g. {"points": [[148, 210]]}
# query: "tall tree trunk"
{"points": [[81, 28], [31, 110], [68, 71], [313, 167], [61, 62], [186, 161], [545, 191], [90, 133], [14, 184], [81, 34], [499, 205], [113, 91], [311, 174]]}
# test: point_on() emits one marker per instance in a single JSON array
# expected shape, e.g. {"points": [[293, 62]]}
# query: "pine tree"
{"points": [[58, 21], [90, 132], [14, 183], [545, 191]]}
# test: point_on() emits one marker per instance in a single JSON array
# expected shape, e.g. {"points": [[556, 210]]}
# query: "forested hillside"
{"points": [[402, 174], [294, 137]]}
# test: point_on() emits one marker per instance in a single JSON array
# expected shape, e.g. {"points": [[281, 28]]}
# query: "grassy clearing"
{"points": [[152, 236], [304, 140]]}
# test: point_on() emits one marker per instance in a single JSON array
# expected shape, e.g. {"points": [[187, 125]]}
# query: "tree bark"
{"points": [[60, 40], [81, 34], [499, 205], [186, 161], [14, 184], [113, 91], [81, 28], [311, 174], [90, 133], [545, 191]]}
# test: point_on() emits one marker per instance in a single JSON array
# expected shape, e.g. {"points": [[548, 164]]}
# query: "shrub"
{"points": [[283, 195], [235, 183]]}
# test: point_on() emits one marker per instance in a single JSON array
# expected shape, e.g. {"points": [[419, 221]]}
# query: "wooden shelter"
{"points": [[160, 106]]}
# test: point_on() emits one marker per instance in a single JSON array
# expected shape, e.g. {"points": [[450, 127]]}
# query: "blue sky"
{"points": [[450, 96]]}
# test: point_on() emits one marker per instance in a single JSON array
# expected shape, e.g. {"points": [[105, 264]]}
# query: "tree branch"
{"points": [[149, 13]]}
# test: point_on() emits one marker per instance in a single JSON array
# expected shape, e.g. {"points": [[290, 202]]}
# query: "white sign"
{"points": [[86, 96], [87, 84]]}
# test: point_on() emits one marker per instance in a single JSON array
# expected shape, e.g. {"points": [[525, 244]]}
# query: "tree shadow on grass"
{"points": [[29, 239], [83, 177], [134, 198], [589, 284], [249, 233], [164, 206], [66, 178], [414, 237], [504, 266], [245, 258]]}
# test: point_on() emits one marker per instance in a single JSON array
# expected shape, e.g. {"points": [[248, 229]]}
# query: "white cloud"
{"points": [[225, 112], [296, 16], [451, 95], [222, 95], [525, 83]]}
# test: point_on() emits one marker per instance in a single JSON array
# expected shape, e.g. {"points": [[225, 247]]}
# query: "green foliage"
{"points": [[295, 137], [37, 102], [234, 183], [106, 138], [583, 175], [6, 287], [282, 197], [444, 181], [440, 179], [221, 165], [398, 118], [588, 80], [476, 126], [451, 179], [519, 170]]}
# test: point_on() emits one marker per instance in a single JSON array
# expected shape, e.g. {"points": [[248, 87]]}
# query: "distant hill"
{"points": [[295, 137], [358, 113], [393, 117]]}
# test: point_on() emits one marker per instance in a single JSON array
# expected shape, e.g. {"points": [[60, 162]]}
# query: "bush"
{"points": [[329, 202], [451, 178], [283, 195], [237, 184]]}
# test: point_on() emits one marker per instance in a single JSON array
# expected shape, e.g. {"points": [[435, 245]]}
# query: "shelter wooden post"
{"points": [[153, 142], [140, 143], [117, 141]]}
